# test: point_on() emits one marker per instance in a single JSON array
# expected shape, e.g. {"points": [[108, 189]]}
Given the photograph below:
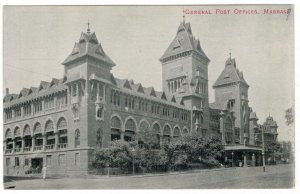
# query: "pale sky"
{"points": [[37, 39]]}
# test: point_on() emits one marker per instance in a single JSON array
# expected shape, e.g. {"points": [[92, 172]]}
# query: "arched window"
{"points": [[8, 133], [37, 128], [176, 133], [27, 138], [228, 131], [62, 124], [144, 132], [17, 135], [130, 129], [17, 132], [185, 131], [166, 134], [49, 126], [77, 137], [156, 132], [130, 125], [26, 131], [8, 137], [62, 133], [116, 127]]}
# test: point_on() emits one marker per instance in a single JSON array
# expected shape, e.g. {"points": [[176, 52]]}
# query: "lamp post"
{"points": [[263, 148], [133, 150], [232, 158]]}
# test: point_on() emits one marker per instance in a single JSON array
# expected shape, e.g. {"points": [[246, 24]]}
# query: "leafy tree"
{"points": [[290, 116]]}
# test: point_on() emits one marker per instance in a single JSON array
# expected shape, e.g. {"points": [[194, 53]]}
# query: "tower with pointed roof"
{"points": [[185, 75], [88, 71], [231, 92]]}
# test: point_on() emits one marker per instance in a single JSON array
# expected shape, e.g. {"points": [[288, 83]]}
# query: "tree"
{"points": [[290, 116]]}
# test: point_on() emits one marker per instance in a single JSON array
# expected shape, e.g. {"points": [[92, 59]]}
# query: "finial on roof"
{"points": [[88, 29], [230, 53], [183, 16]]}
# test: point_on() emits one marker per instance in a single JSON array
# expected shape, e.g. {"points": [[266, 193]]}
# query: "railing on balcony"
{"points": [[62, 146], [49, 147], [8, 151], [37, 148], [27, 149], [17, 150]]}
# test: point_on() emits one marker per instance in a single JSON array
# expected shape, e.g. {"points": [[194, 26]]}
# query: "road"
{"points": [[279, 176]]}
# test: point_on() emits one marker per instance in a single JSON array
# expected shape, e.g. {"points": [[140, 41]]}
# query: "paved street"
{"points": [[279, 176]]}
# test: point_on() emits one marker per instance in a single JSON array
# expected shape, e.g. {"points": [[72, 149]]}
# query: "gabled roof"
{"points": [[44, 85], [31, 93], [54, 81], [270, 122], [88, 45], [230, 75], [24, 92], [184, 41], [150, 91]]}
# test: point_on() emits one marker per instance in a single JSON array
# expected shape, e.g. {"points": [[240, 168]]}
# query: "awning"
{"points": [[115, 131], [63, 135], [129, 133], [50, 137], [242, 147]]}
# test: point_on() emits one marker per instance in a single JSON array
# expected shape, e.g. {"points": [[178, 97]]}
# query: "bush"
{"points": [[177, 154]]}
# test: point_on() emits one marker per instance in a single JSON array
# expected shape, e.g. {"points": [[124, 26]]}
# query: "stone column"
{"points": [[32, 109], [22, 112], [122, 135], [44, 141], [43, 105], [5, 145], [253, 160], [161, 140], [56, 140], [245, 159], [14, 145], [33, 142], [23, 144], [222, 127]]}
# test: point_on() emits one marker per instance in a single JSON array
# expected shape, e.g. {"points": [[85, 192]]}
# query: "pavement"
{"points": [[278, 176]]}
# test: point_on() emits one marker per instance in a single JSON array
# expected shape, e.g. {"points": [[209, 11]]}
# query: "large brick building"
{"points": [[59, 123]]}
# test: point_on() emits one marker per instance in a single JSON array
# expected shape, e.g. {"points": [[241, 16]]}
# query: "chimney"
{"points": [[7, 91]]}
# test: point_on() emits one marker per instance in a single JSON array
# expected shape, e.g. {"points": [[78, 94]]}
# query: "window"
{"points": [[26, 162], [37, 106], [228, 131], [74, 90], [48, 160], [7, 162], [17, 161], [17, 112], [61, 160], [77, 137], [77, 159], [27, 109]]}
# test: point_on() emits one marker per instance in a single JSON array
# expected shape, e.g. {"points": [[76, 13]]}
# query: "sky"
{"points": [[38, 38]]}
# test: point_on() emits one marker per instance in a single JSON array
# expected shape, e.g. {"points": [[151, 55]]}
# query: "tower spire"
{"points": [[230, 53], [88, 29]]}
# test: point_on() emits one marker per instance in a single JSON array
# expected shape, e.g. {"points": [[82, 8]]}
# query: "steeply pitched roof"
{"points": [[88, 45], [184, 41], [270, 122], [31, 93], [230, 75]]}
